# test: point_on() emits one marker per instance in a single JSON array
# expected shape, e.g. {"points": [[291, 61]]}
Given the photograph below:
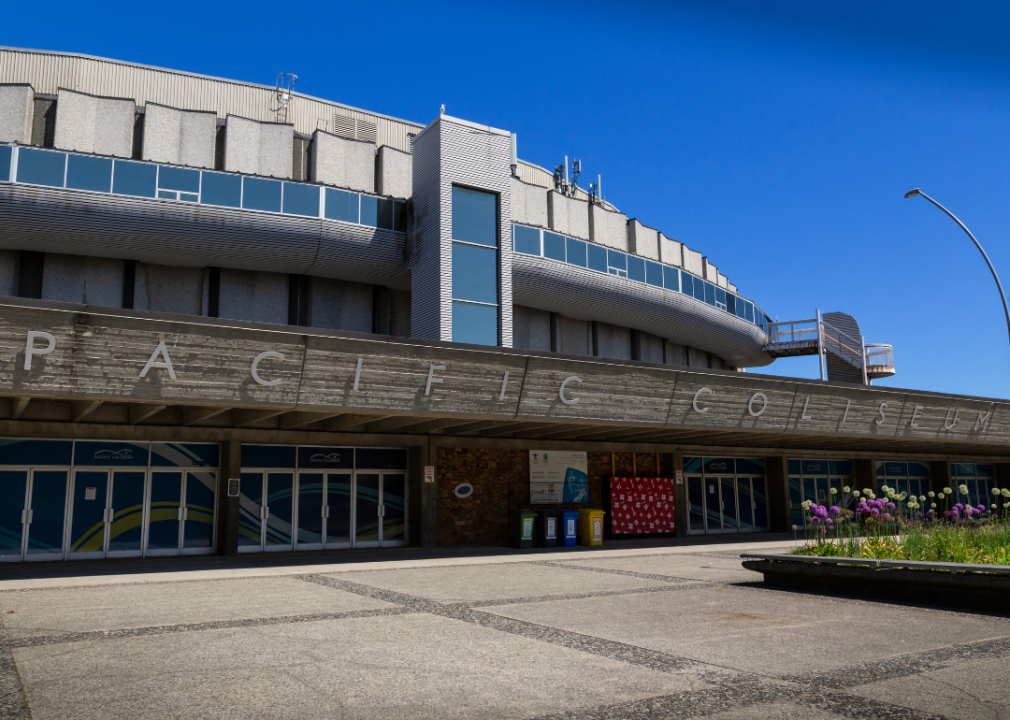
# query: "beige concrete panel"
{"points": [[826, 411], [9, 265], [276, 152], [697, 358], [529, 203], [242, 145], [711, 271], [726, 406], [692, 262], [643, 240], [399, 307], [731, 287], [91, 124], [254, 296], [999, 424], [179, 137], [163, 288], [568, 216], [343, 162], [613, 342], [926, 416], [211, 363], [394, 174], [575, 336], [675, 354], [606, 393], [396, 380], [669, 251], [608, 228], [340, 305], [87, 280], [531, 329], [650, 347], [722, 281], [17, 108]]}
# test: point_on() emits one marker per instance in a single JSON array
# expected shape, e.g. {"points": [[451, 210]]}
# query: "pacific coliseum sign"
{"points": [[70, 354]]}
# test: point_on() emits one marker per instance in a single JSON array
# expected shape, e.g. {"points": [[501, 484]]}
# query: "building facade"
{"points": [[238, 320]]}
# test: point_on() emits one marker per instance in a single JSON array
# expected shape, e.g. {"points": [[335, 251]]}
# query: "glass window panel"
{"points": [[384, 213], [185, 454], [400, 216], [41, 167], [554, 246], [525, 240], [369, 211], [719, 465], [686, 283], [250, 524], [794, 467], [918, 469], [201, 491], [636, 268], [380, 459], [985, 470], [188, 197], [173, 178], [341, 205], [163, 521], [671, 278], [720, 298], [268, 456], [133, 178], [85, 172], [87, 526], [15, 451], [740, 302], [654, 274], [301, 199], [749, 311], [127, 503], [280, 503], [260, 194], [796, 498], [840, 467], [48, 503], [220, 189], [475, 216], [6, 152], [338, 499], [310, 507], [962, 470], [474, 324], [895, 469], [474, 273], [760, 504], [325, 457], [168, 195], [13, 493], [394, 496], [617, 260], [731, 303], [699, 288], [366, 510], [576, 252], [597, 258], [696, 500], [692, 464], [709, 293], [815, 467], [105, 453], [750, 466]]}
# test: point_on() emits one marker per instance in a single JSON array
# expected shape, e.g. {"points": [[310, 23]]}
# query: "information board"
{"points": [[559, 476]]}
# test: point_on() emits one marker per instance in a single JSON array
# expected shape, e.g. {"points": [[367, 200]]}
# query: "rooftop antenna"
{"points": [[576, 171], [515, 157], [285, 86]]}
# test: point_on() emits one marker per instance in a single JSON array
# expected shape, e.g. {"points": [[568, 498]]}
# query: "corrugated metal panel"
{"points": [[583, 294], [425, 256], [47, 72]]}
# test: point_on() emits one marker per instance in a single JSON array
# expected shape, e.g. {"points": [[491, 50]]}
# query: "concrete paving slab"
{"points": [[495, 582], [978, 690], [110, 607], [760, 631], [774, 711], [408, 666], [711, 568]]}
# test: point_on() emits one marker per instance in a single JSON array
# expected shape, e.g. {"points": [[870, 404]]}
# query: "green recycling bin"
{"points": [[522, 528]]}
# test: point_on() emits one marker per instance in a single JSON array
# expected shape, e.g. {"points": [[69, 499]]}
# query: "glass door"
{"points": [[279, 511], [366, 509], [89, 514], [696, 504], [759, 498], [47, 508], [745, 504], [713, 506], [125, 515], [311, 511], [14, 514], [338, 510], [164, 523], [250, 512], [198, 512], [392, 512], [729, 505]]}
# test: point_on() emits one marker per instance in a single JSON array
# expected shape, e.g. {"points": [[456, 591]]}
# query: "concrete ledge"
{"points": [[970, 587]]}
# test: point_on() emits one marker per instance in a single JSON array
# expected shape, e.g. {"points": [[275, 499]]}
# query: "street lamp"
{"points": [[1002, 295]]}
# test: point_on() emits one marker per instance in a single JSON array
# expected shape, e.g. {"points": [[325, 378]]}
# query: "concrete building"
{"points": [[226, 328]]}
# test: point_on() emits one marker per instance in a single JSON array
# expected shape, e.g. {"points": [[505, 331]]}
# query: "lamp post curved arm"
{"points": [[999, 286]]}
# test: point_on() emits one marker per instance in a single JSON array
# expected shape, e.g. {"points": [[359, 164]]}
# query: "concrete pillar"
{"points": [[227, 507], [423, 508], [777, 480], [681, 509]]}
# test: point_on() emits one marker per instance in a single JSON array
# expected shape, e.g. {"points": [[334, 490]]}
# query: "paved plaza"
{"points": [[650, 632]]}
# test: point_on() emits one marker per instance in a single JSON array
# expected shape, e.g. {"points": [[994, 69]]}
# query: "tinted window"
{"points": [[41, 167], [654, 274], [258, 194], [380, 459], [98, 453], [617, 260], [221, 189], [6, 151], [85, 172], [597, 257], [699, 288], [400, 216], [301, 199], [686, 283], [185, 454], [576, 251], [369, 211], [326, 457], [475, 324], [749, 310], [731, 303], [130, 178], [554, 246], [36, 452], [709, 293], [636, 268], [474, 216], [268, 456], [720, 298], [525, 240], [474, 273], [171, 178], [341, 205], [671, 278], [384, 213]]}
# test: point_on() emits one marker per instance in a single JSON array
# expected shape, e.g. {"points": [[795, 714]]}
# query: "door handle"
{"points": [[179, 513], [185, 513], [24, 517], [266, 512]]}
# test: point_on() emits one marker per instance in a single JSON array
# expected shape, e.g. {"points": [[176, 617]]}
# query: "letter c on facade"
{"points": [[764, 404], [256, 364], [694, 403], [561, 391]]}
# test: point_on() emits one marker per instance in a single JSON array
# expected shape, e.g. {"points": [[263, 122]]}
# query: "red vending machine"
{"points": [[641, 506]]}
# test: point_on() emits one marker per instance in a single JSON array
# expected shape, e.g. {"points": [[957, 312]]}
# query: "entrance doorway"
{"points": [[726, 495], [32, 511]]}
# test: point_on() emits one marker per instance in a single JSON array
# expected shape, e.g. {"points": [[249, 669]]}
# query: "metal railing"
{"points": [[879, 360], [796, 332]]}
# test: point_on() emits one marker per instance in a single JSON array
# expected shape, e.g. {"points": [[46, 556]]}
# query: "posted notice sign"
{"points": [[559, 477]]}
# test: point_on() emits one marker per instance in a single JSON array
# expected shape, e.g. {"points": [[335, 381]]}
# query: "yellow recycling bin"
{"points": [[591, 527]]}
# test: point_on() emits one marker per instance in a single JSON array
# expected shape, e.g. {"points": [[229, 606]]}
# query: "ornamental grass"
{"points": [[942, 527]]}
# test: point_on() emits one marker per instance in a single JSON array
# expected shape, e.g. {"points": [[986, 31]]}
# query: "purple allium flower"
{"points": [[891, 506], [822, 512], [815, 520], [874, 511], [829, 521], [980, 508], [835, 510], [959, 506], [887, 516]]}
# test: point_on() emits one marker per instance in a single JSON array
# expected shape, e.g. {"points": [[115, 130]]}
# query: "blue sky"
{"points": [[776, 137]]}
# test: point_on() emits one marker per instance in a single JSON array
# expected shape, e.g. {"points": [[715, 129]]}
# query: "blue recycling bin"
{"points": [[567, 532]]}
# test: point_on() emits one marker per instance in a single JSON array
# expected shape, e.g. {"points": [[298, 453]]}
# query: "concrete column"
{"points": [[939, 475], [777, 479], [681, 509], [227, 507], [423, 510]]}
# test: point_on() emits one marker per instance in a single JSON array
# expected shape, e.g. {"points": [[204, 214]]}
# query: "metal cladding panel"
{"points": [[97, 76], [588, 295], [183, 234], [424, 254], [477, 159]]}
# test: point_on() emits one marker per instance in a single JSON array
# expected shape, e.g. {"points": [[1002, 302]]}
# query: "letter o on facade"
{"points": [[561, 390], [694, 403], [255, 368], [764, 404]]}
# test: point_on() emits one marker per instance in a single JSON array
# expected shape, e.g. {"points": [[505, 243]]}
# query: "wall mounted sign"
{"points": [[463, 491], [233, 487], [558, 476], [429, 473]]}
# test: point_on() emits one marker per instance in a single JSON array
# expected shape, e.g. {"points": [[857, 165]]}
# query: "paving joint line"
{"points": [[13, 699], [475, 604], [627, 573]]}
